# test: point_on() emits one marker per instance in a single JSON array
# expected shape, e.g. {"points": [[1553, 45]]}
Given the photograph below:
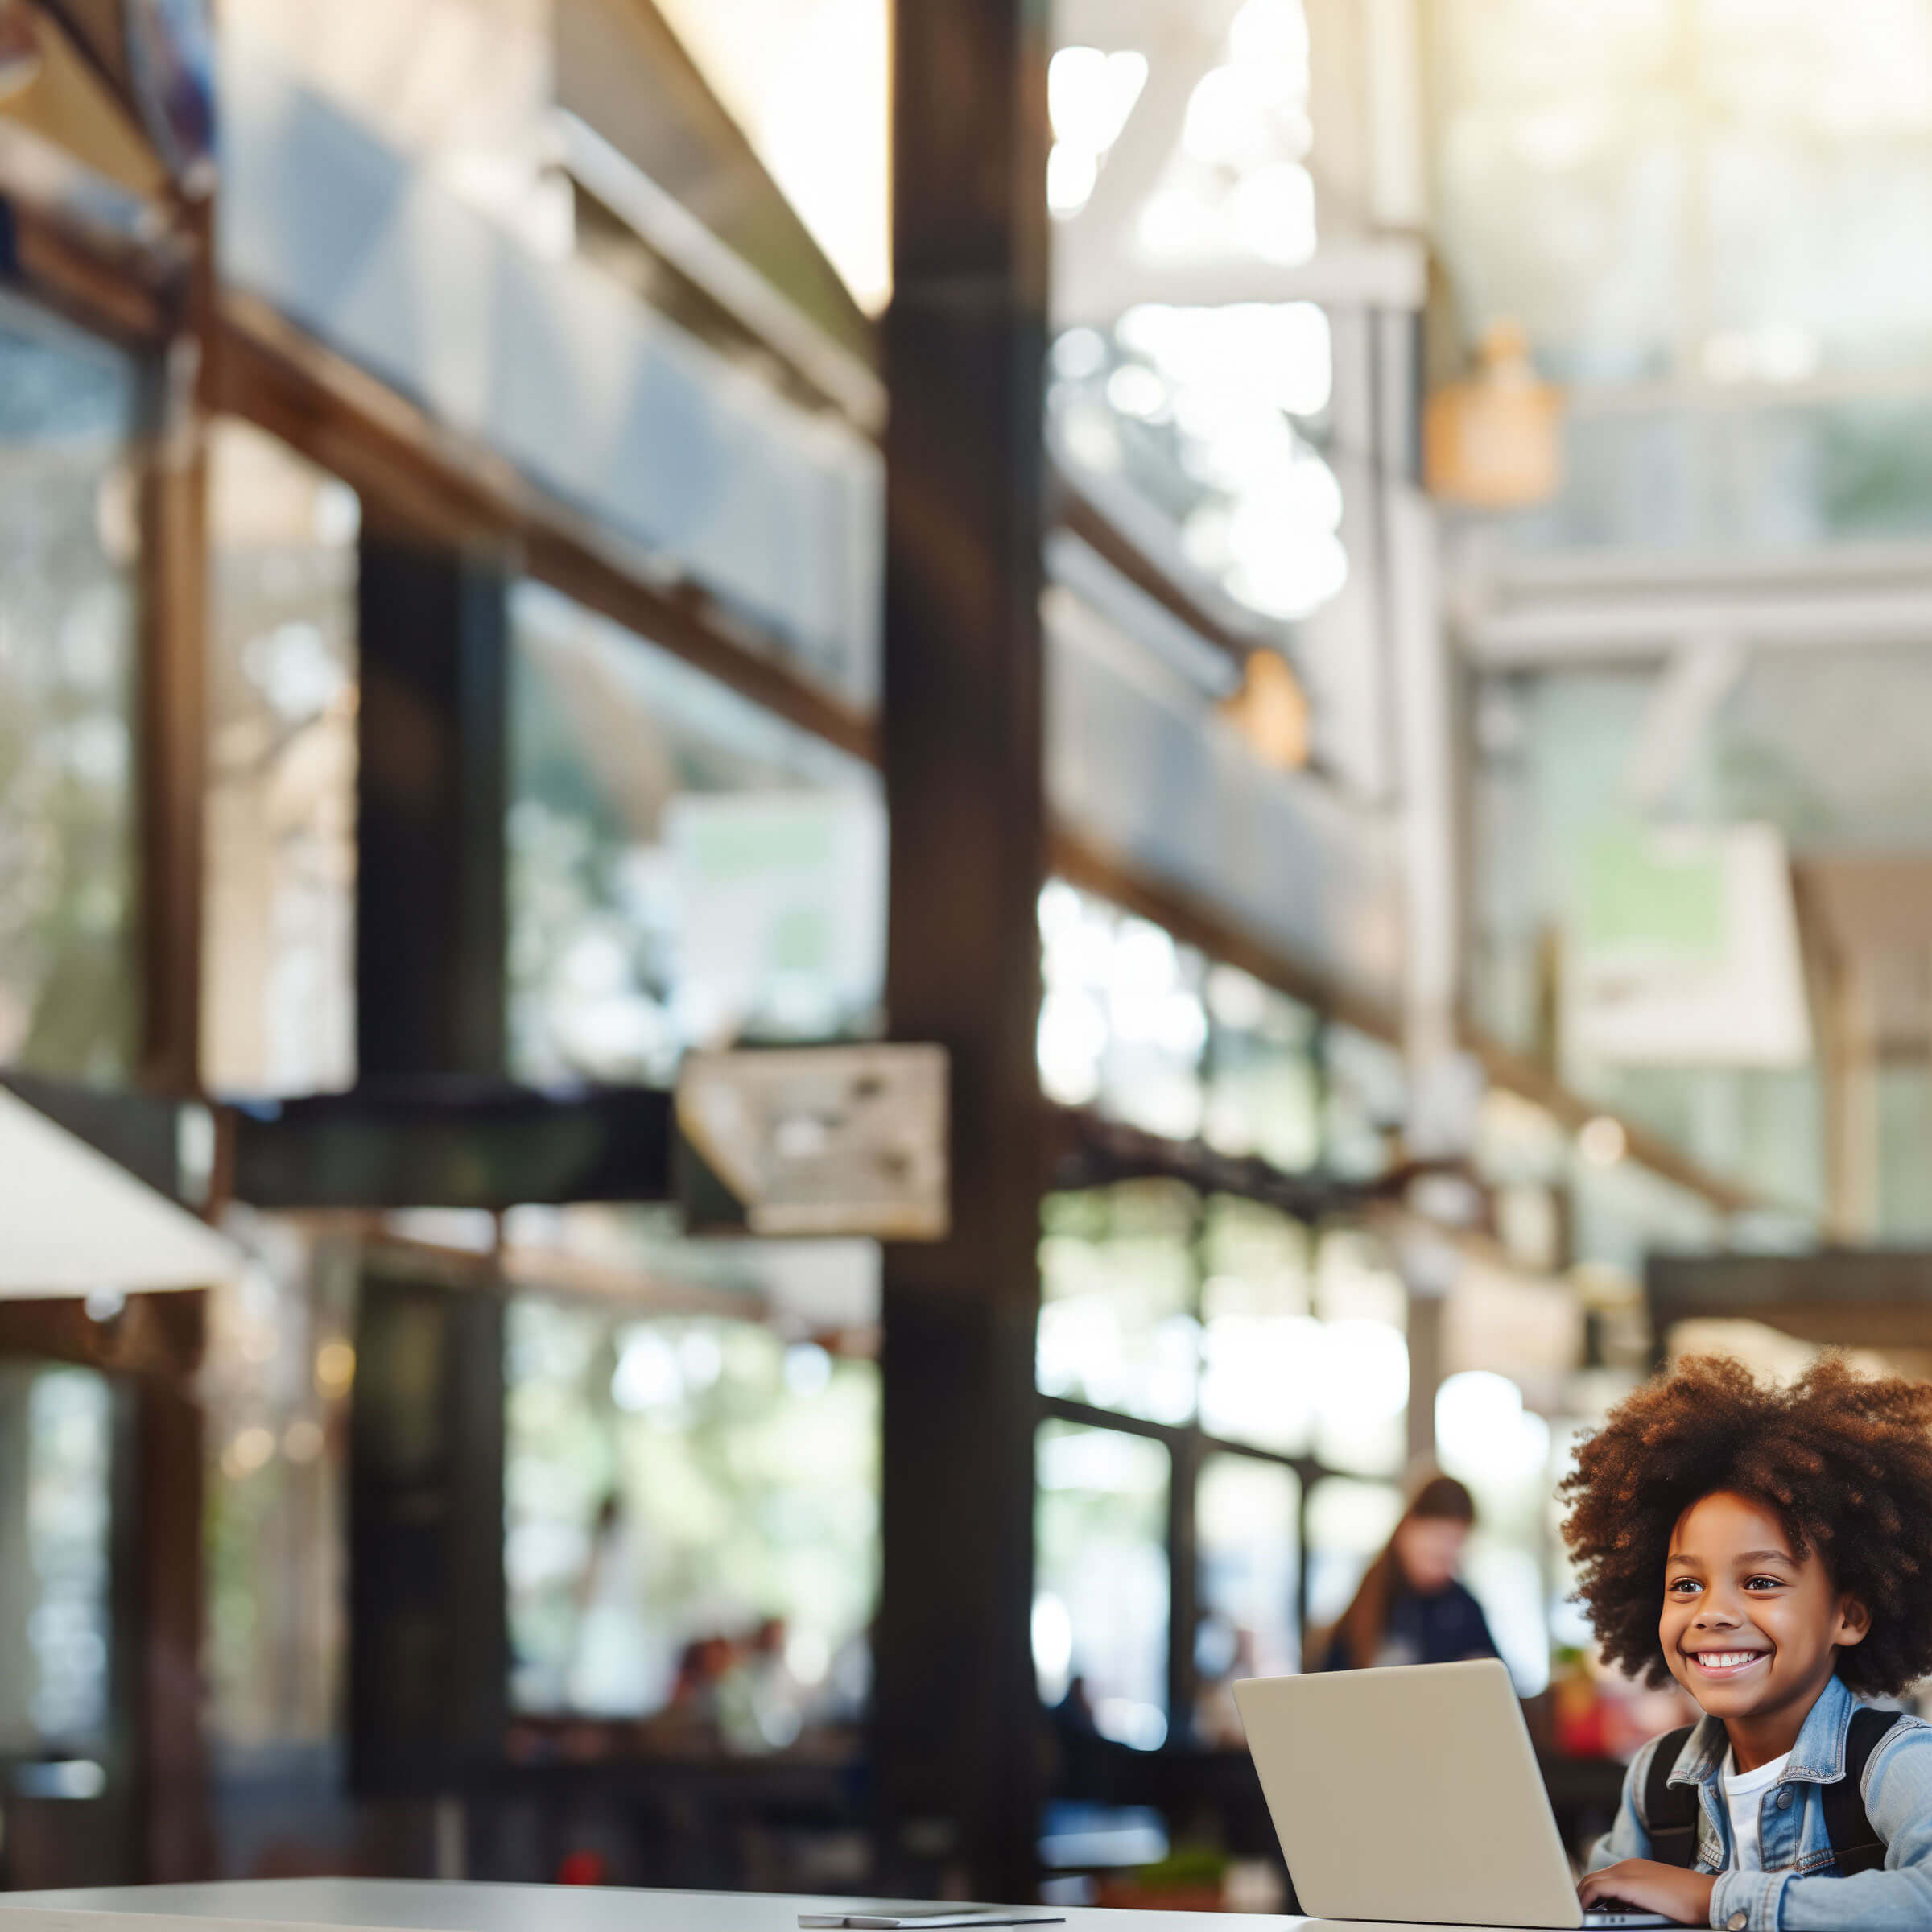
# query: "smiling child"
{"points": [[1771, 1550]]}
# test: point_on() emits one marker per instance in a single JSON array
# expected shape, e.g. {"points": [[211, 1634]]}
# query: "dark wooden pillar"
{"points": [[429, 1661], [956, 1709], [173, 1766], [173, 683], [431, 796]]}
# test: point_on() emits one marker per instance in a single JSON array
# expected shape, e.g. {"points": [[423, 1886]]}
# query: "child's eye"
{"points": [[1685, 1586], [1768, 1583]]}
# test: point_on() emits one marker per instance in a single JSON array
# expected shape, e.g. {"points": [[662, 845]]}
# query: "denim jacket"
{"points": [[1799, 1890]]}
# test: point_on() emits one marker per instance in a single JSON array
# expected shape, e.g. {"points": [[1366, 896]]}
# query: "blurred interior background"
{"points": [[1331, 596]]}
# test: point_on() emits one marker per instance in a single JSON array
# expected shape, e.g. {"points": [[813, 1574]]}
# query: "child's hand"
{"points": [[1649, 1887]]}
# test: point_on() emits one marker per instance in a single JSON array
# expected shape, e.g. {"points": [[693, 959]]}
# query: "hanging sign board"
{"points": [[814, 1141]]}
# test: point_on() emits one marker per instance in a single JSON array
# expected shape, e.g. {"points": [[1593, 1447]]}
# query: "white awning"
{"points": [[72, 1221]]}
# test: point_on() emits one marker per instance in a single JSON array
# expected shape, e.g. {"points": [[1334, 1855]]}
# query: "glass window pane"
{"points": [[56, 1432], [1247, 1523], [1216, 420], [1707, 192], [1361, 1414], [1152, 1034], [1261, 1348], [1118, 1325], [1366, 1101], [1264, 1095], [279, 971], [1502, 1450], [1101, 1586], [1348, 1522], [1122, 1024], [279, 1366], [686, 869], [693, 1525], [68, 540]]}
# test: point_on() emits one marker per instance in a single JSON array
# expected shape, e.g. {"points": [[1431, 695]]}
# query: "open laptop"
{"points": [[1413, 1794]]}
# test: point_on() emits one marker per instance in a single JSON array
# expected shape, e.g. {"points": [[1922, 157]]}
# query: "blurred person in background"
{"points": [[1411, 1606]]}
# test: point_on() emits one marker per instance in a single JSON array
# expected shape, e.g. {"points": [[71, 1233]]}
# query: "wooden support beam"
{"points": [[428, 1686], [955, 1705], [443, 1143], [173, 684], [168, 1476], [431, 794]]}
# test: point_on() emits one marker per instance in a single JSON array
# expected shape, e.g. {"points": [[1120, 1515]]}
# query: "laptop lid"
{"points": [[1408, 1793]]}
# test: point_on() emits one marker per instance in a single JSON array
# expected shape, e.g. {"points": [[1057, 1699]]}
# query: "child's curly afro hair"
{"points": [[1843, 1460]]}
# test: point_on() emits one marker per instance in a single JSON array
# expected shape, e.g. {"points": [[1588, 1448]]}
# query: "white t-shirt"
{"points": [[1744, 1794]]}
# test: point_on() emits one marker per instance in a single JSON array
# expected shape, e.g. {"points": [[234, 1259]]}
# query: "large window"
{"points": [[1245, 1354], [691, 1499], [1102, 1587], [1217, 419], [279, 981], [1347, 1522], [275, 1387], [1203, 1341], [56, 1442], [1260, 1341], [1117, 1321], [1153, 1034], [685, 870], [1603, 175], [1501, 1450], [1714, 194], [1248, 1529], [68, 409]]}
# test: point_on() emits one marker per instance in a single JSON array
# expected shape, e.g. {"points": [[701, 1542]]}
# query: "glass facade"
{"points": [[686, 869], [1152, 1034], [1576, 888], [1118, 1327], [1708, 195], [1260, 1342], [56, 1429], [1218, 420], [1248, 1527], [279, 1368], [692, 1505], [1101, 1586], [1262, 1355], [69, 408], [1348, 1521], [279, 982]]}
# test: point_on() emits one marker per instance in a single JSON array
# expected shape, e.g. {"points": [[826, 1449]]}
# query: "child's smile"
{"points": [[1725, 1666]]}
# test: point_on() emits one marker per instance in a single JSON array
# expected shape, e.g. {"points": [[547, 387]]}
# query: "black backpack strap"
{"points": [[1670, 1811], [1855, 1844]]}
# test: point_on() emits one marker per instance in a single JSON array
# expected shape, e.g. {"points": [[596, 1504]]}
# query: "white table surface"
{"points": [[404, 1904], [401, 1905]]}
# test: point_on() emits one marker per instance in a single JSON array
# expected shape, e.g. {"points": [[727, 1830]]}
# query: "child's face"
{"points": [[1748, 1628]]}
